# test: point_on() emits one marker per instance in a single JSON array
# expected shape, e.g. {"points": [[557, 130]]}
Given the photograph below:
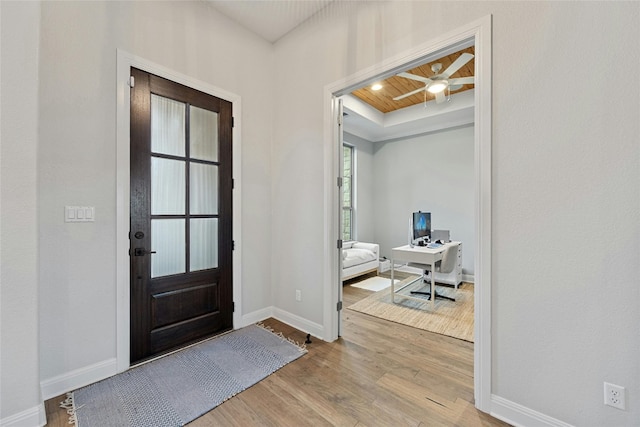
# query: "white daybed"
{"points": [[359, 258]]}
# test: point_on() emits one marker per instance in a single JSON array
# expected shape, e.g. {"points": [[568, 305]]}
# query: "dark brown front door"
{"points": [[181, 218]]}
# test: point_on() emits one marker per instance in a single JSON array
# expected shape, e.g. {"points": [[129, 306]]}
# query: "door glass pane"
{"points": [[168, 240], [203, 134], [167, 186], [167, 126], [204, 243], [347, 174], [203, 196]]}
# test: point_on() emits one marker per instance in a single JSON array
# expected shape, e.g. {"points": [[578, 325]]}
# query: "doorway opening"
{"points": [[476, 34]]}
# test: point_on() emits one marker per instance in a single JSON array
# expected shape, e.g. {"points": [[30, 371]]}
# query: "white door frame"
{"points": [[477, 33], [125, 61]]}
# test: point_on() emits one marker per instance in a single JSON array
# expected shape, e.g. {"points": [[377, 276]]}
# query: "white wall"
{"points": [[565, 164], [20, 402], [364, 176], [77, 155], [433, 173]]}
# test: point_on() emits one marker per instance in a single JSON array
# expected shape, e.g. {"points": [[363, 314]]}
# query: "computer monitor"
{"points": [[421, 226]]}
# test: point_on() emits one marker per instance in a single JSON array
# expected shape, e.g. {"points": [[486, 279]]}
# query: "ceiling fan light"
{"points": [[437, 86], [376, 86]]}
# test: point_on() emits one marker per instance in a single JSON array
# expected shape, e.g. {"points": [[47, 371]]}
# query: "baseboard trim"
{"points": [[469, 278], [255, 317], [36, 416], [78, 378], [299, 323], [285, 317], [518, 415]]}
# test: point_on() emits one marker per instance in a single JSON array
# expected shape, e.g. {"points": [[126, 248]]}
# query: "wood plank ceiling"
{"points": [[382, 99]]}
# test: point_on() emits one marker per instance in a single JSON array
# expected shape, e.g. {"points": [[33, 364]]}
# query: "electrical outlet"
{"points": [[614, 395], [298, 295]]}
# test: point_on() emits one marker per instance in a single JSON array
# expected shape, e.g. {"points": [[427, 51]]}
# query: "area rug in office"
{"points": [[454, 319], [375, 283], [180, 387]]}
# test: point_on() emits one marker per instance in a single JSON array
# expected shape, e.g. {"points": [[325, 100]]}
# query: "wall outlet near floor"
{"points": [[615, 396], [298, 295]]}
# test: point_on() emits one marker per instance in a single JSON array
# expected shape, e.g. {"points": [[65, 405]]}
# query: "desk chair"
{"points": [[446, 265]]}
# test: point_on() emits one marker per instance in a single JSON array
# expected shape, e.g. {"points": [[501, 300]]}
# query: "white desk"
{"points": [[422, 255]]}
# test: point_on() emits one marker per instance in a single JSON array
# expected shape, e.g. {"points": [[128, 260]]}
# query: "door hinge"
{"points": [[339, 182], [339, 306], [339, 243], [233, 183], [233, 122], [233, 307], [233, 245], [132, 81]]}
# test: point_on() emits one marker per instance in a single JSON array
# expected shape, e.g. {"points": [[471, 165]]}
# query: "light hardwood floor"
{"points": [[377, 374]]}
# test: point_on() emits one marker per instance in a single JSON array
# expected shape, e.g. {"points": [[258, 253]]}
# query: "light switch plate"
{"points": [[69, 213], [79, 214]]}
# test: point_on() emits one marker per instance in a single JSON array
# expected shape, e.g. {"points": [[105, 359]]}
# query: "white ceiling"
{"points": [[270, 19]]}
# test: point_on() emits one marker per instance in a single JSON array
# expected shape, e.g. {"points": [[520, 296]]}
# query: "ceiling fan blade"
{"points": [[457, 64], [440, 97], [414, 77], [462, 81], [413, 92]]}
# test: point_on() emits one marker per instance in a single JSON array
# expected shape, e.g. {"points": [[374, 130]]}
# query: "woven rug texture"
{"points": [[180, 387], [454, 319]]}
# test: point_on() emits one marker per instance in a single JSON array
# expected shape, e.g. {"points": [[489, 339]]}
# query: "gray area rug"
{"points": [[180, 387]]}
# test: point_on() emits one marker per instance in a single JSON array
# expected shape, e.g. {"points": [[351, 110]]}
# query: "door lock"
{"points": [[142, 252]]}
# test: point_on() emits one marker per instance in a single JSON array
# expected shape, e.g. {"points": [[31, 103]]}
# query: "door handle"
{"points": [[142, 252]]}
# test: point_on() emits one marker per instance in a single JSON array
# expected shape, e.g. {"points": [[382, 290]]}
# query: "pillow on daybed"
{"points": [[354, 256]]}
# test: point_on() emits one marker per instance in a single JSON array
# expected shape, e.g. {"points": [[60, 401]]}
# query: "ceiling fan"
{"points": [[438, 83]]}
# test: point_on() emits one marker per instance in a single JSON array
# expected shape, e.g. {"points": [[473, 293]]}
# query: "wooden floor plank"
{"points": [[378, 373], [233, 412]]}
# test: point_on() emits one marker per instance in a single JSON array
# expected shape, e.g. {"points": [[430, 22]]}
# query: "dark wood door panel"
{"points": [[183, 281], [174, 336], [183, 304]]}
